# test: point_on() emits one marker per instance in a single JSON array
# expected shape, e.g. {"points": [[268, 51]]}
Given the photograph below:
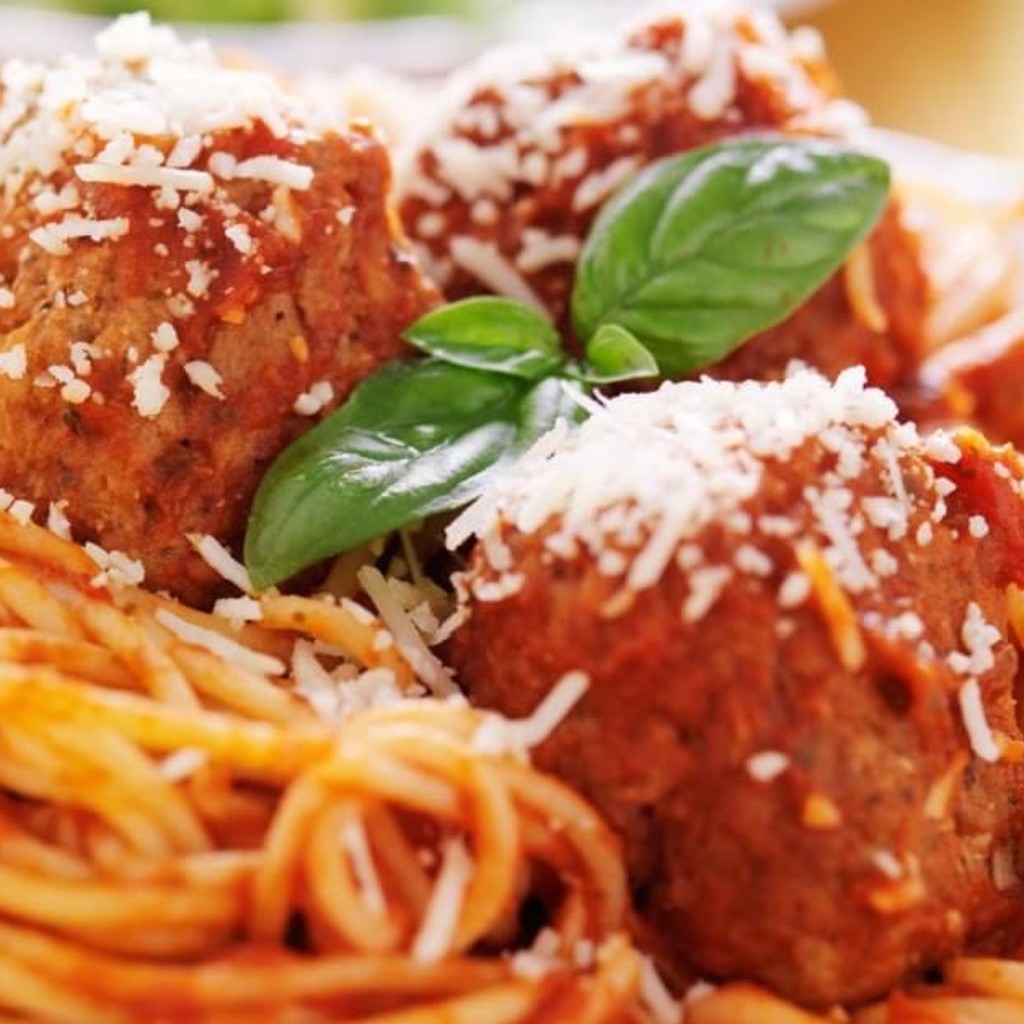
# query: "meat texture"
{"points": [[503, 185], [797, 619], [980, 379], [194, 265]]}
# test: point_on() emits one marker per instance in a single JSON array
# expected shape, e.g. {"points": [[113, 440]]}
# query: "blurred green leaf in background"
{"points": [[275, 10]]}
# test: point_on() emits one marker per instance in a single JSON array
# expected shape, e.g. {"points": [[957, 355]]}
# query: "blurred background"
{"points": [[952, 70], [948, 69]]}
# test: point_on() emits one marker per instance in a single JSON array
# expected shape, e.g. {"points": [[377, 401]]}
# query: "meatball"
{"points": [[980, 379], [192, 266], [503, 186], [795, 618]]}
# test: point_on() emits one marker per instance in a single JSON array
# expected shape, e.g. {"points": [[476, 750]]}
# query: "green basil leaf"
{"points": [[615, 355], [490, 333], [413, 439], [699, 252]]}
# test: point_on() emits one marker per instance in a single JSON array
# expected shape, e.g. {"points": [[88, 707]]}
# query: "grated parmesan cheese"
{"points": [[441, 917], [979, 733], [150, 392], [189, 220], [888, 864], [711, 96], [49, 200], [752, 561], [200, 277], [238, 609], [182, 764], [410, 644], [155, 177], [138, 114], [767, 766], [908, 626], [82, 355], [276, 171], [204, 377], [979, 638], [238, 235], [318, 397], [1004, 867], [524, 120], [56, 520], [646, 474], [356, 845], [216, 643], [115, 567], [185, 151], [706, 586], [977, 526], [22, 511], [542, 250], [54, 237], [164, 337], [795, 589], [222, 165], [498, 735], [599, 185], [656, 997], [486, 263], [14, 362], [221, 561], [941, 447]]}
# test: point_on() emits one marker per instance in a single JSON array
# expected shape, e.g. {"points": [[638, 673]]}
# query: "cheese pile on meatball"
{"points": [[193, 263], [503, 184], [795, 614]]}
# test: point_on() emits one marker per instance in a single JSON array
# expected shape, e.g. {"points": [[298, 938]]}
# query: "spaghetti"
{"points": [[190, 832], [184, 836]]}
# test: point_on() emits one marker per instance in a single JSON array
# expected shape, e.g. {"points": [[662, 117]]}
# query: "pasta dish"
{"points": [[554, 557]]}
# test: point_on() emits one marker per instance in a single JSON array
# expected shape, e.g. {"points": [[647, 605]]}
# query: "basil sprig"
{"points": [[698, 253], [686, 262]]}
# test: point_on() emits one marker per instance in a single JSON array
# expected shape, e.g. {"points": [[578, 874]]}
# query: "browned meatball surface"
{"points": [[193, 266], [794, 616], [503, 185], [980, 379]]}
